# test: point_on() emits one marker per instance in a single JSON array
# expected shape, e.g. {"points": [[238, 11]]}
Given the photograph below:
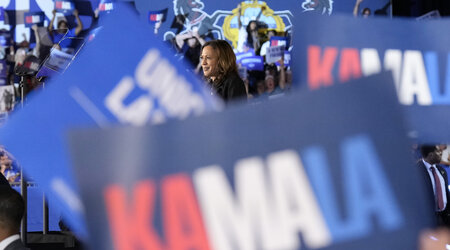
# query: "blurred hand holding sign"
{"points": [[64, 6], [105, 85], [215, 182], [336, 49]]}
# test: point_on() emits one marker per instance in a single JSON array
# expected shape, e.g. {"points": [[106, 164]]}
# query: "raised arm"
{"points": [[199, 38], [37, 38], [239, 16], [50, 25], [282, 79], [356, 8], [179, 39], [79, 27], [260, 13]]}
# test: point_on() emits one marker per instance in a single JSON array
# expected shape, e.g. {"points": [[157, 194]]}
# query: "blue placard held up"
{"points": [[105, 85], [64, 6], [279, 41], [33, 18], [336, 176], [336, 49], [253, 63], [157, 16], [246, 54], [106, 6]]}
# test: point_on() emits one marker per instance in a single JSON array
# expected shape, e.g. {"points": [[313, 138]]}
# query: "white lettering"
{"points": [[261, 216], [370, 62], [393, 62], [414, 80], [137, 113], [295, 200]]}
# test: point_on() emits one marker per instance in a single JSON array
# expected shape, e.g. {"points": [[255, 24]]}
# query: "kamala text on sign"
{"points": [[261, 207], [333, 180], [416, 73], [339, 48]]}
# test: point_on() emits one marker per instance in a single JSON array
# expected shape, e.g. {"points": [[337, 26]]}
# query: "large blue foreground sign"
{"points": [[329, 169], [106, 84], [330, 50]]}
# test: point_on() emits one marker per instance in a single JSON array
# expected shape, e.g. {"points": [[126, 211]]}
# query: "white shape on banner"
{"points": [[157, 76], [393, 62], [272, 214], [414, 80], [370, 62]]}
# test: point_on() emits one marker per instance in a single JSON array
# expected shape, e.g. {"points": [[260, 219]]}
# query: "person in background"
{"points": [[436, 178], [63, 28], [248, 35], [194, 45], [266, 44], [365, 13], [12, 208], [6, 167], [220, 70], [272, 88]]}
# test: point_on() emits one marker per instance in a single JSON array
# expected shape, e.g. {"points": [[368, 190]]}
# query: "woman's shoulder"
{"points": [[233, 77]]}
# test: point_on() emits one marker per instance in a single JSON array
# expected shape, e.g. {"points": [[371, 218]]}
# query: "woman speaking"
{"points": [[220, 69]]}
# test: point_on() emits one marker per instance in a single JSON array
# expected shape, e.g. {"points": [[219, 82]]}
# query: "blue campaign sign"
{"points": [[341, 180], [420, 64], [279, 41], [106, 6], [157, 16], [253, 63], [246, 54], [33, 18], [64, 6], [105, 85]]}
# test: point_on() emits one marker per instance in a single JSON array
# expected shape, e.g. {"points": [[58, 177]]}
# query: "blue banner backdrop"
{"points": [[105, 85], [316, 170], [335, 49]]}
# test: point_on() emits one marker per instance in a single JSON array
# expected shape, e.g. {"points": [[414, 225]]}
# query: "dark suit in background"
{"points": [[443, 217]]}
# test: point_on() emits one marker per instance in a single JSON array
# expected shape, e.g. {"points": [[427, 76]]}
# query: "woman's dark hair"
{"points": [[249, 34], [225, 56], [366, 9], [427, 149], [62, 21]]}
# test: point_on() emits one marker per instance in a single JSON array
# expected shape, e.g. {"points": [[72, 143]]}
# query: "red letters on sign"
{"points": [[130, 221], [183, 225], [350, 65], [320, 69]]}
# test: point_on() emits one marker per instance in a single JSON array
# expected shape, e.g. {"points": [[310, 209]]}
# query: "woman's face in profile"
{"points": [[210, 62]]}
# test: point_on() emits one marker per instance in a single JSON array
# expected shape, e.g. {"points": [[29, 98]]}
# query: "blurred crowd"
{"points": [[23, 62]]}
